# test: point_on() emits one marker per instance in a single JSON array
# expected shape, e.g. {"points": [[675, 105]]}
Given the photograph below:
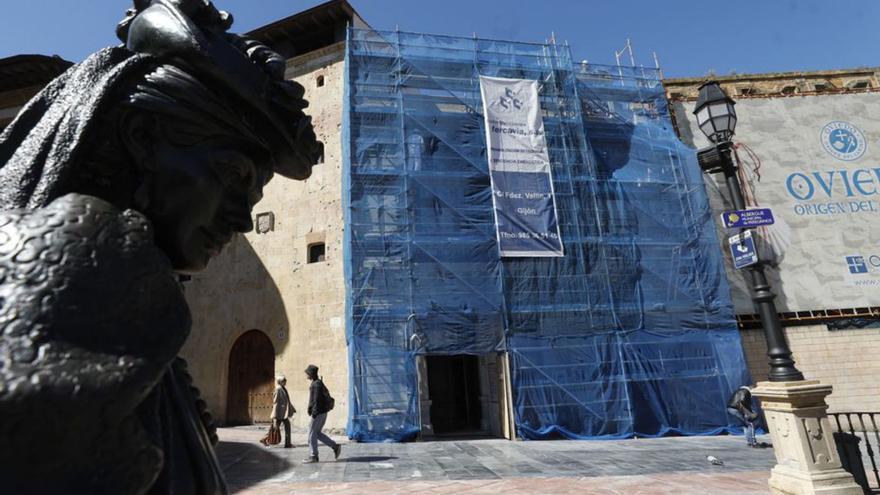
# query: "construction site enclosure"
{"points": [[630, 333]]}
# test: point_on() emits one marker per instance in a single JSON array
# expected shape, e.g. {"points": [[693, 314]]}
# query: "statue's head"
{"points": [[186, 123], [178, 152]]}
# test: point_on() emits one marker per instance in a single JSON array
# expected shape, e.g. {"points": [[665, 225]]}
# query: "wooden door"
{"points": [[251, 379]]}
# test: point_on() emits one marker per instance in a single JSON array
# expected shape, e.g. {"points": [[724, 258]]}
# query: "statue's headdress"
{"points": [[47, 138], [194, 32]]}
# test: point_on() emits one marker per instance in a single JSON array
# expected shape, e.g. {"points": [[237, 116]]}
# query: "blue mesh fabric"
{"points": [[631, 333]]}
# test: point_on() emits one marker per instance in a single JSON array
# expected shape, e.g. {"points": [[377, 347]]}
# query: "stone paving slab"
{"points": [[743, 483], [663, 466]]}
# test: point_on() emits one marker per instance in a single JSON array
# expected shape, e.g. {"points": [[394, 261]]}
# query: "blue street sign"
{"points": [[743, 219], [742, 249]]}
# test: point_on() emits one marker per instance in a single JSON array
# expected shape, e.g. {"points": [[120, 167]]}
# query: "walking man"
{"points": [[282, 409], [320, 403], [740, 405]]}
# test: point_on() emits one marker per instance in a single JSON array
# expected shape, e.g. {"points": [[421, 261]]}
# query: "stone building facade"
{"points": [[780, 84], [273, 301], [266, 280], [22, 77]]}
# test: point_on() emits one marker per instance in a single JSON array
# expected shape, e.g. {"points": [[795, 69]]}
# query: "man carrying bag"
{"points": [[320, 403], [282, 409]]}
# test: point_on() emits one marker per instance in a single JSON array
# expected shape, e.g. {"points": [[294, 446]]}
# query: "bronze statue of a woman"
{"points": [[135, 165]]}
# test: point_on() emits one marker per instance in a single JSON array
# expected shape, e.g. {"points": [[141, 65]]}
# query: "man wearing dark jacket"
{"points": [[319, 405], [740, 405]]}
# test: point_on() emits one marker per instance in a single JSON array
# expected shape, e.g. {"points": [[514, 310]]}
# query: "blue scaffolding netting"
{"points": [[631, 333]]}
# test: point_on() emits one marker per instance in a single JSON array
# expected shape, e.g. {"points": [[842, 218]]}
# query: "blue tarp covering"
{"points": [[631, 333]]}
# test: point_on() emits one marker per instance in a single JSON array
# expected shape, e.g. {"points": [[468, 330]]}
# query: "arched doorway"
{"points": [[251, 379]]}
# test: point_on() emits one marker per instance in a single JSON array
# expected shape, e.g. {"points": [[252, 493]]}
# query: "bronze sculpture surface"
{"points": [[135, 165]]}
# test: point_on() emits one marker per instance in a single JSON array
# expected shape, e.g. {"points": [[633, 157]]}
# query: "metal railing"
{"points": [[863, 425]]}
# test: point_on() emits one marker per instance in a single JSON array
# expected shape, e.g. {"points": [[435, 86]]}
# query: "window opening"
{"points": [[320, 159], [316, 252], [415, 143]]}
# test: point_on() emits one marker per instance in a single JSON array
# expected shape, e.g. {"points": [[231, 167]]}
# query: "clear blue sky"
{"points": [[691, 37]]}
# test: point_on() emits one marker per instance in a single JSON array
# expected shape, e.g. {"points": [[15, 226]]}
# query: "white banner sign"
{"points": [[820, 173], [519, 168]]}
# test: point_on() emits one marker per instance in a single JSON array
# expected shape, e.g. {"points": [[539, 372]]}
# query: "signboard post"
{"points": [[742, 249], [743, 219]]}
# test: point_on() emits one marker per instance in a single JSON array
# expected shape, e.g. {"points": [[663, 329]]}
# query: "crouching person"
{"points": [[320, 403], [740, 406]]}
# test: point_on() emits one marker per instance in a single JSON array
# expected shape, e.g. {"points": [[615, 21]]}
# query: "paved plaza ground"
{"points": [[493, 466]]}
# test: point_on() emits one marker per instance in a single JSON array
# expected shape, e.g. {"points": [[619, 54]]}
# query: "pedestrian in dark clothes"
{"points": [[320, 403], [740, 405]]}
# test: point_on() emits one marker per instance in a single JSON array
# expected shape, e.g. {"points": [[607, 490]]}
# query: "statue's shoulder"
{"points": [[91, 314], [68, 222], [93, 274]]}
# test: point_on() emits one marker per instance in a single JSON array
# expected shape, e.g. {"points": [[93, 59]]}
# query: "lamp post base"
{"points": [[806, 455]]}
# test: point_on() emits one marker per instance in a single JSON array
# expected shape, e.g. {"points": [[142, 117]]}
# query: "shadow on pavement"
{"points": [[246, 464], [366, 458]]}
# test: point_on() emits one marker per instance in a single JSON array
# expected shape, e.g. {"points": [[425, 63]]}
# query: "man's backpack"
{"points": [[327, 399]]}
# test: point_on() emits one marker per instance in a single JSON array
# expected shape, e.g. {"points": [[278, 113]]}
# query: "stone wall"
{"points": [[846, 359], [779, 84], [263, 280], [12, 101]]}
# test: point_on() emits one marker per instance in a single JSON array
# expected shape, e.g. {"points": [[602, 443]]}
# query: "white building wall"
{"points": [[819, 208]]}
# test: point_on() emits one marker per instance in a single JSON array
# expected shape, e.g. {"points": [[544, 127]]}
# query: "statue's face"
{"points": [[201, 195]]}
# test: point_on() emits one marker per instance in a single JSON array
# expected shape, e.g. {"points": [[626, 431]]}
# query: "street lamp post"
{"points": [[717, 120], [807, 460]]}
